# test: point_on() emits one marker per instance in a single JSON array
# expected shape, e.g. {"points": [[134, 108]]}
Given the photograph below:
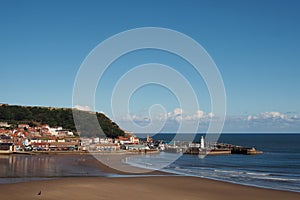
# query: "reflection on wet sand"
{"points": [[14, 166]]}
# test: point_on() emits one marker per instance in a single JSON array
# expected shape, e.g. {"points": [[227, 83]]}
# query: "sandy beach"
{"points": [[156, 187], [159, 185]]}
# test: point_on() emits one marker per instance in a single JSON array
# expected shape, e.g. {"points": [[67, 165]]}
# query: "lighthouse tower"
{"points": [[202, 143]]}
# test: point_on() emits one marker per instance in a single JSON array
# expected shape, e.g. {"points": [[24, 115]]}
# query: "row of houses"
{"points": [[46, 138], [44, 130]]}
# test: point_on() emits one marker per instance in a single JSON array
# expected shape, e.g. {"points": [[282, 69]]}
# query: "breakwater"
{"points": [[217, 149]]}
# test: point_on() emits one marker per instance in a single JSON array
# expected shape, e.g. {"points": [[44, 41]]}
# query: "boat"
{"points": [[6, 147]]}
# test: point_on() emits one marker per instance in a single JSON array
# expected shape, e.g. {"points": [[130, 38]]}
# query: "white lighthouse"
{"points": [[202, 143]]}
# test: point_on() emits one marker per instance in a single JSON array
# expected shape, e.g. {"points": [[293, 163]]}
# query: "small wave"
{"points": [[229, 171], [264, 177], [258, 174], [278, 179], [242, 172]]}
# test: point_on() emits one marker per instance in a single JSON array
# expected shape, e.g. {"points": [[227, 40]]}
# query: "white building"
{"points": [[54, 131], [4, 124], [202, 146]]}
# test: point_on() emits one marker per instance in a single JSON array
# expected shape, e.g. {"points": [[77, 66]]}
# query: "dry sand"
{"points": [[164, 186], [144, 188]]}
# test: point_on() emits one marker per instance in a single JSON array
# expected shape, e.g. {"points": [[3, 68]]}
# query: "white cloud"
{"points": [[136, 118], [211, 115], [273, 115], [178, 111], [200, 114], [270, 121], [83, 108], [177, 115], [251, 117]]}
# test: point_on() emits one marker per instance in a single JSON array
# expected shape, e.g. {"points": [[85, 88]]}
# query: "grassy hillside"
{"points": [[59, 117]]}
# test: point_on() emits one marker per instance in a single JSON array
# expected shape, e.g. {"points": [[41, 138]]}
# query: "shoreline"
{"points": [[153, 187], [127, 152], [122, 170], [15, 180]]}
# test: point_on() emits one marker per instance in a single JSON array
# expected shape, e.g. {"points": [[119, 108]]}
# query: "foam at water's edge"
{"points": [[188, 172]]}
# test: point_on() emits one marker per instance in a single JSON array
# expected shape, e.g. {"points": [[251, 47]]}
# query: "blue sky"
{"points": [[255, 44]]}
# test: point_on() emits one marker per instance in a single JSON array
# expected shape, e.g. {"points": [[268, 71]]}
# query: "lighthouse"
{"points": [[202, 142]]}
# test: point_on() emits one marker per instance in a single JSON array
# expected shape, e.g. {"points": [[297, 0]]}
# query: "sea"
{"points": [[277, 168]]}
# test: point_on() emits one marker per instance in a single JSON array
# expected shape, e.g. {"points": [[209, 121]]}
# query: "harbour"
{"points": [[203, 148]]}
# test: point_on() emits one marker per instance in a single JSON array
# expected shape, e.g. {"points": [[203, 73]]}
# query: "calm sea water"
{"points": [[277, 168]]}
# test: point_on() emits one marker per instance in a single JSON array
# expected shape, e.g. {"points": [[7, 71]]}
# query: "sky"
{"points": [[255, 45]]}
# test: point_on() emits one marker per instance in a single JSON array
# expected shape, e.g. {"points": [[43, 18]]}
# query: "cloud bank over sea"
{"points": [[265, 122]]}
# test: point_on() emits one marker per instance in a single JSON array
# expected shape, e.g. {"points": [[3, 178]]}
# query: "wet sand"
{"points": [[114, 164], [159, 185], [146, 188]]}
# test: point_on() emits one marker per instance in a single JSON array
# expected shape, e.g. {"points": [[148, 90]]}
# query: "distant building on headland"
{"points": [[23, 126], [4, 124]]}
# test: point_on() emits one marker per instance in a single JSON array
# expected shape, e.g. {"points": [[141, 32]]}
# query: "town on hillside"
{"points": [[25, 139], [44, 138]]}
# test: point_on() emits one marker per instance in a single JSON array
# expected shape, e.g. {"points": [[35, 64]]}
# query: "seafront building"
{"points": [[42, 138]]}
